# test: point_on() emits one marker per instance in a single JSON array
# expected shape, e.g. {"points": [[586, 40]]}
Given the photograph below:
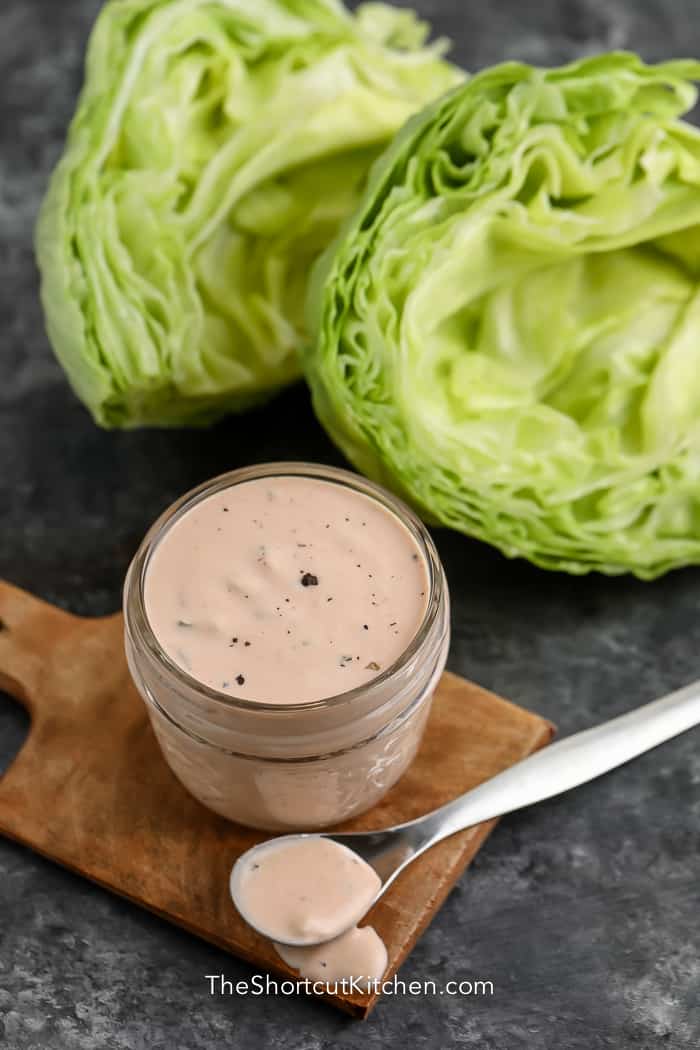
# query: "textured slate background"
{"points": [[582, 911]]}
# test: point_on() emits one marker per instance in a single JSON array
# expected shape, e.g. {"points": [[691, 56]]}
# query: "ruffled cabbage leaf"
{"points": [[216, 147], [509, 326]]}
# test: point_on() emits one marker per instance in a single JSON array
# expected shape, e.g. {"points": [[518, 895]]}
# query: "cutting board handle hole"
{"points": [[14, 729]]}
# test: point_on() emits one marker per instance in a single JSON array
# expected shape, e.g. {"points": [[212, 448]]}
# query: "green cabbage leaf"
{"points": [[215, 150], [509, 325]]}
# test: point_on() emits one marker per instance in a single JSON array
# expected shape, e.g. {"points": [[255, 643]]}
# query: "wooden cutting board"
{"points": [[90, 789]]}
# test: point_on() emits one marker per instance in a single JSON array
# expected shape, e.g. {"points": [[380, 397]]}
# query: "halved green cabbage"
{"points": [[216, 147], [509, 326]]}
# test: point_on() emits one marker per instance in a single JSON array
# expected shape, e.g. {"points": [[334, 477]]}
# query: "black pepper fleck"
{"points": [[365, 626], [309, 580], [246, 644], [240, 679]]}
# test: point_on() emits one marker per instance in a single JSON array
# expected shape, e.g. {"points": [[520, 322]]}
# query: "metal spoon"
{"points": [[564, 765]]}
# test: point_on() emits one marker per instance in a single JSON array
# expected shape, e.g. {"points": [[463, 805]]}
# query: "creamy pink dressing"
{"points": [[360, 953], [300, 889], [286, 589]]}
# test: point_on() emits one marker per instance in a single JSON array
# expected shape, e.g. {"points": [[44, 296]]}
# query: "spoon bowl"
{"points": [[312, 936]]}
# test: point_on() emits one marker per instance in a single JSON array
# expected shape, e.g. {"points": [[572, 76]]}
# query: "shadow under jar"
{"points": [[289, 764]]}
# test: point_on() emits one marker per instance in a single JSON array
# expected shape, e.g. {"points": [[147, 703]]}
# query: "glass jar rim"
{"points": [[142, 634]]}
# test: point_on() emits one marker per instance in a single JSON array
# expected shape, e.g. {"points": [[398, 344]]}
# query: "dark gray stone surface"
{"points": [[582, 911]]}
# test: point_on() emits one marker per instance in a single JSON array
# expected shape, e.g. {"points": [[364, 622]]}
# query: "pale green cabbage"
{"points": [[216, 147], [509, 326]]}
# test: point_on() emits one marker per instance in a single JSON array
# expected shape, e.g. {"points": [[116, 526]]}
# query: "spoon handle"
{"points": [[568, 763]]}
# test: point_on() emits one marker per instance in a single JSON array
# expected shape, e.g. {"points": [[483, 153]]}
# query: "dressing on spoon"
{"points": [[358, 954], [301, 890]]}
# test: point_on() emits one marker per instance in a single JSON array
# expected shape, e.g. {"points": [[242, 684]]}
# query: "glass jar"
{"points": [[291, 766]]}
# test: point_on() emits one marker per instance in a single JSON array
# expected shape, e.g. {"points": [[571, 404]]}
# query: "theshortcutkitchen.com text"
{"points": [[264, 984]]}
